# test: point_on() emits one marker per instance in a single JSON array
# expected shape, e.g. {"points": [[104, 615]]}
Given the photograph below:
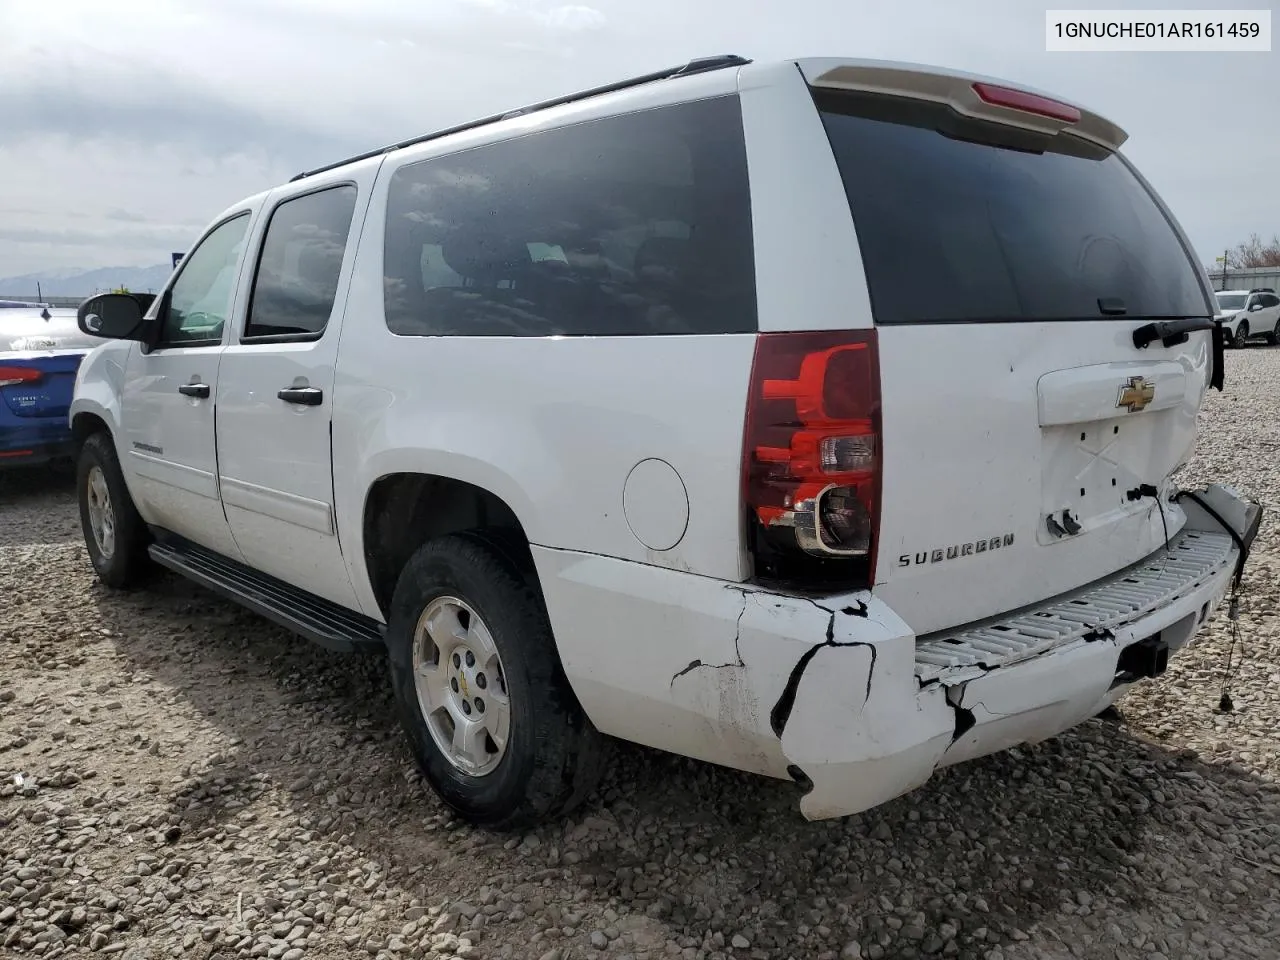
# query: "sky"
{"points": [[126, 126]]}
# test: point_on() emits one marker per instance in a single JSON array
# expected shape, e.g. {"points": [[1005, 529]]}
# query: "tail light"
{"points": [[811, 457], [13, 376]]}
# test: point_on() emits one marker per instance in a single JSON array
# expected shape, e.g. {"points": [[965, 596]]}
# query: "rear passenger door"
{"points": [[276, 387]]}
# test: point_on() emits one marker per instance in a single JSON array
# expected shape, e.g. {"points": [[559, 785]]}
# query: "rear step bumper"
{"points": [[1194, 558], [837, 694]]}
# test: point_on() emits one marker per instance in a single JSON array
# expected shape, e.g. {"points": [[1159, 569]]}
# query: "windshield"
{"points": [[1231, 301], [968, 221]]}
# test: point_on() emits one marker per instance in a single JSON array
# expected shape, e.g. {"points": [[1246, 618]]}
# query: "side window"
{"points": [[637, 224], [1270, 300], [297, 279], [200, 298]]}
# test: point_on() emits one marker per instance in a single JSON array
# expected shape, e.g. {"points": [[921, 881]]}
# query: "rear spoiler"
{"points": [[983, 98]]}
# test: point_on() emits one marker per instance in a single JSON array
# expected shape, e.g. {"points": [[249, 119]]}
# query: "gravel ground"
{"points": [[178, 777]]}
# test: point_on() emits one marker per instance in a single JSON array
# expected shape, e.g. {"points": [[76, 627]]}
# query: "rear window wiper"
{"points": [[1171, 332]]}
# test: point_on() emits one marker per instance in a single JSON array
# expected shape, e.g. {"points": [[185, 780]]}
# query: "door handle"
{"points": [[194, 390], [308, 396]]}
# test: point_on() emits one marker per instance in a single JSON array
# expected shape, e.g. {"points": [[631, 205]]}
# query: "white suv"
{"points": [[791, 416], [1248, 314]]}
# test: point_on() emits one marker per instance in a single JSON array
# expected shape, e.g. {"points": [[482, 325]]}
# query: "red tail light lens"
{"points": [[12, 376], [811, 460], [1026, 102]]}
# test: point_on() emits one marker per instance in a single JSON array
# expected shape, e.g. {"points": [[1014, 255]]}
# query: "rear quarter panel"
{"points": [[552, 427]]}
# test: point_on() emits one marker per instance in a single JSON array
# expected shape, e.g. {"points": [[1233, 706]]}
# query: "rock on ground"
{"points": [[180, 778]]}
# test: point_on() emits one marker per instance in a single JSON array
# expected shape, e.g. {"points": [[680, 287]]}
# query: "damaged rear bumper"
{"points": [[839, 694]]}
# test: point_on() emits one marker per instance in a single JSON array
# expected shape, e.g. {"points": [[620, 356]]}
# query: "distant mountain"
{"points": [[83, 283]]}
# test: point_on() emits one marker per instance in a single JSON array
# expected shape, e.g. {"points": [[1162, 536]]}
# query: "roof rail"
{"points": [[1262, 290], [701, 65]]}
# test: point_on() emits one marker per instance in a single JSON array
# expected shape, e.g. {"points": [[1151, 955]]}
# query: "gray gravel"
{"points": [[179, 778]]}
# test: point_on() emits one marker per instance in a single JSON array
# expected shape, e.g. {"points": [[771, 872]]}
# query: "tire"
{"points": [[1242, 334], [1274, 336], [120, 559], [551, 757]]}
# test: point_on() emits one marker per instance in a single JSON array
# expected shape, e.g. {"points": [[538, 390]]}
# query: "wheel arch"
{"points": [[405, 509], [85, 423]]}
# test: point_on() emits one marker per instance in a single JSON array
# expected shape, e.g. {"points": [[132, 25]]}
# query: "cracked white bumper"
{"points": [[831, 693]]}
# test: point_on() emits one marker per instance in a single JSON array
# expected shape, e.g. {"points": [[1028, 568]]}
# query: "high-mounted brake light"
{"points": [[12, 376], [1026, 102], [811, 459]]}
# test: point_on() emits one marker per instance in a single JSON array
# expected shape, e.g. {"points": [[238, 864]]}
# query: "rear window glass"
{"points": [[966, 221], [628, 225]]}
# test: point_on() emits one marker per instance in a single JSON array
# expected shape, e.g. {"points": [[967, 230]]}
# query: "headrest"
{"points": [[662, 257], [485, 257]]}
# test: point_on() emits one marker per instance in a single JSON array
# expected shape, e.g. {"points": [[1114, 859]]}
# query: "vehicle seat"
{"points": [[496, 270]]}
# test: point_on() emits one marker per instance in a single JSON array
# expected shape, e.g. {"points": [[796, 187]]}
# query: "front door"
{"points": [[276, 387], [169, 395]]}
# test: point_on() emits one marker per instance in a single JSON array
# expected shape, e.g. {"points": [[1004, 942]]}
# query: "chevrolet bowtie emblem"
{"points": [[1136, 393]]}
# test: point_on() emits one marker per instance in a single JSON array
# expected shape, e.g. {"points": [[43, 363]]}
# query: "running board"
{"points": [[315, 618]]}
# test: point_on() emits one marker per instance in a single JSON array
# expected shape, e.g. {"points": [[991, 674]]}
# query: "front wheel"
{"points": [[1242, 334], [493, 723], [114, 533]]}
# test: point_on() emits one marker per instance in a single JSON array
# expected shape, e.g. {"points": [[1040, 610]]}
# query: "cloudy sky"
{"points": [[126, 125]]}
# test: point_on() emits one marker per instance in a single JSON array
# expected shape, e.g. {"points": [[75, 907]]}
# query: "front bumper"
{"points": [[837, 693]]}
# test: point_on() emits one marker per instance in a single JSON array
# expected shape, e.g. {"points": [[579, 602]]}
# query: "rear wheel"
{"points": [[1242, 334], [1274, 336], [114, 534], [489, 713]]}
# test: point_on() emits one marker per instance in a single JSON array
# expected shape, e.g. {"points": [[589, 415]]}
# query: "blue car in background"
{"points": [[40, 352]]}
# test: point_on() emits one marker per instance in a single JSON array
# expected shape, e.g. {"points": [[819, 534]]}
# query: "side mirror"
{"points": [[1254, 306], [112, 316]]}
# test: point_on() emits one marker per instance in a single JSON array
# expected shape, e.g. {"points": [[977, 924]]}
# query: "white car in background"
{"points": [[1248, 314]]}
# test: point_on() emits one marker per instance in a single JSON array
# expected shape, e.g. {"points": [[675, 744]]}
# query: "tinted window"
{"points": [[637, 224], [1231, 301], [298, 269], [1270, 300], [961, 220], [200, 297]]}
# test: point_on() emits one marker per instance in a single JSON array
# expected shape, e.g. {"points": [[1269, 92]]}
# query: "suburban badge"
{"points": [[955, 551]]}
